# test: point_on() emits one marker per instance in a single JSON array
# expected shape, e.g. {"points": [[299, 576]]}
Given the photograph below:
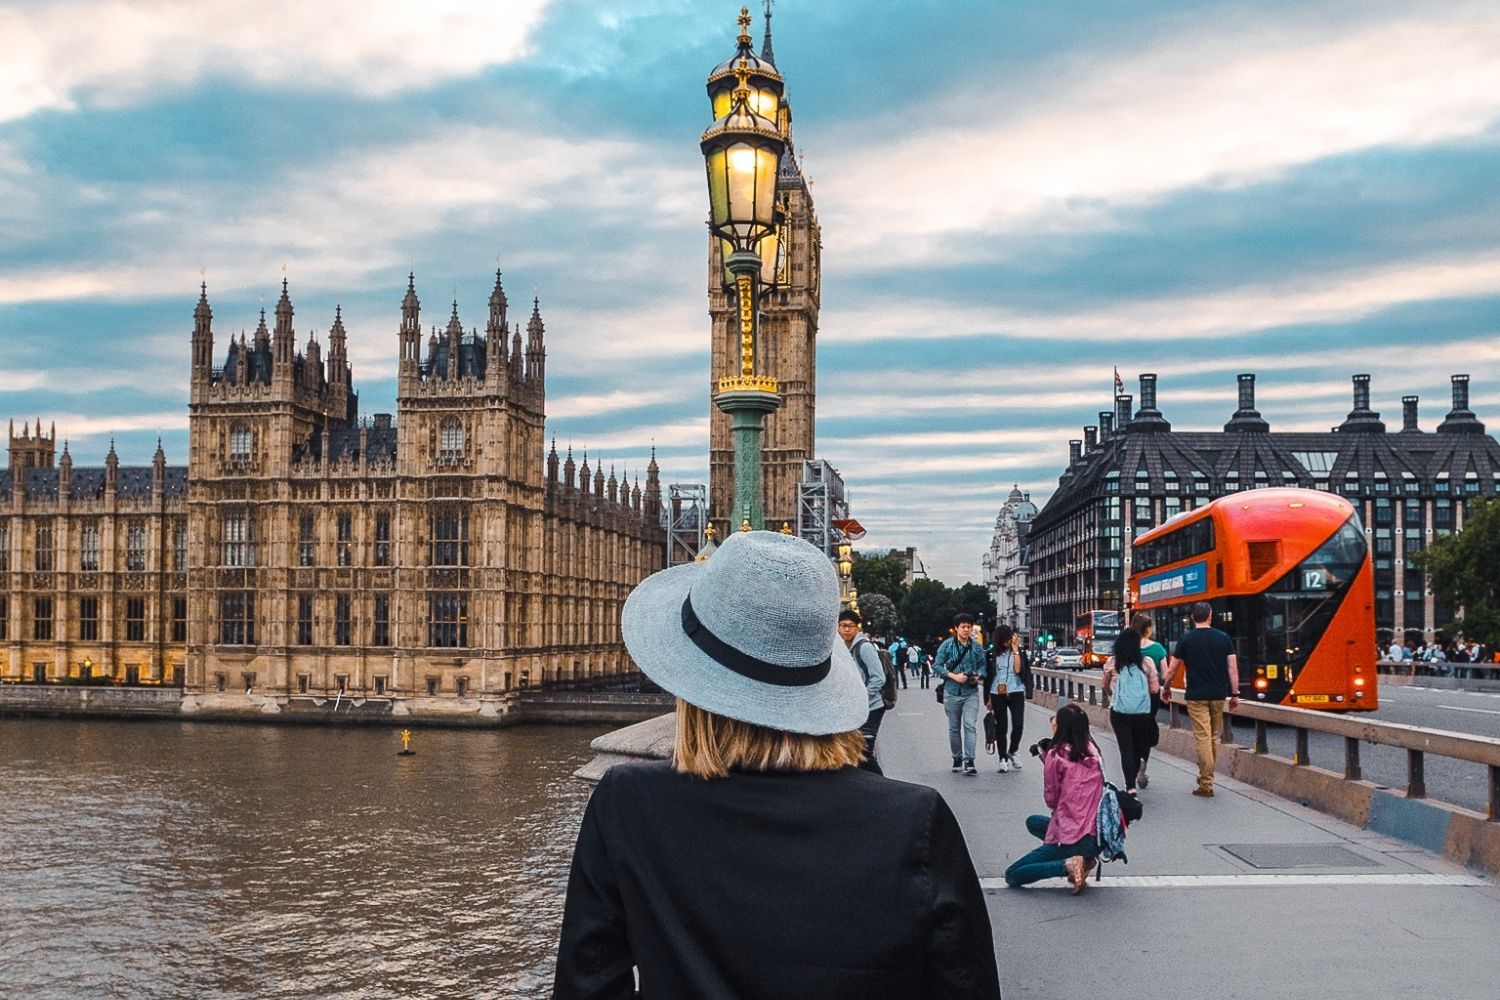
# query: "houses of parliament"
{"points": [[443, 554]]}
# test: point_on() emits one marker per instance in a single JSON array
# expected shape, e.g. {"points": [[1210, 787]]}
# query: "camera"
{"points": [[1041, 746]]}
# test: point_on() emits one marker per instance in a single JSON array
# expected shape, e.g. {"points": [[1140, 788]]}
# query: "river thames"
{"points": [[171, 860]]}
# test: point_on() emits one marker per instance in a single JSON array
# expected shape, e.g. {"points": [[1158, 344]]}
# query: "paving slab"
{"points": [[1202, 908]]}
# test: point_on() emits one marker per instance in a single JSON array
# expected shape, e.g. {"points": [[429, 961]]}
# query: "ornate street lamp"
{"points": [[742, 150]]}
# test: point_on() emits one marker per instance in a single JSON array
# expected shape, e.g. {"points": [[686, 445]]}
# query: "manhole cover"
{"points": [[1299, 856]]}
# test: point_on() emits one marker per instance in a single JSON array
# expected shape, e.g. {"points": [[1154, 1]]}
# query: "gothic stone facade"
{"points": [[439, 555], [1005, 564], [788, 339], [1129, 473]]}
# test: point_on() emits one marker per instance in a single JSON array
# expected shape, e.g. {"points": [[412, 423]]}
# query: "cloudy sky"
{"points": [[1016, 197]]}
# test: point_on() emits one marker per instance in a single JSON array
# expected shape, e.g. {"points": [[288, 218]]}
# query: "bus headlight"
{"points": [[1359, 682]]}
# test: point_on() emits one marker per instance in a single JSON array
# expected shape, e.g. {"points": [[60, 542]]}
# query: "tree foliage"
{"points": [[927, 612], [879, 613], [880, 575], [1465, 572], [975, 599]]}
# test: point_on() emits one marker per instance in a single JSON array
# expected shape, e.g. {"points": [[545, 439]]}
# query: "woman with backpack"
{"points": [[1072, 785], [1151, 650], [1130, 680]]}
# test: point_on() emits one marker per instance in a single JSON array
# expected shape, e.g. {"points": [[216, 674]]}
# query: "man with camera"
{"points": [[960, 664]]}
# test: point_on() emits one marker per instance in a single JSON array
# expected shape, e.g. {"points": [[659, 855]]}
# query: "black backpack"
{"points": [[888, 688]]}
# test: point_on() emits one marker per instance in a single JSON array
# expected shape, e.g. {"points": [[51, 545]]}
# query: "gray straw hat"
{"points": [[751, 634]]}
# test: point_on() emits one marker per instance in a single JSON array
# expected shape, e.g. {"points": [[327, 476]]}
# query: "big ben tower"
{"points": [[788, 326]]}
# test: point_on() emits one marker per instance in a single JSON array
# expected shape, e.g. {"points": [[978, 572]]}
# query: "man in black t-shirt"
{"points": [[1213, 674]]}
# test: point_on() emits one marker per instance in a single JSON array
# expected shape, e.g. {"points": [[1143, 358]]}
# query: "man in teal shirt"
{"points": [[960, 667]]}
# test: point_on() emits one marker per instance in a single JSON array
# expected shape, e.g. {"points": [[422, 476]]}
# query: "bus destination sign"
{"points": [[1184, 581]]}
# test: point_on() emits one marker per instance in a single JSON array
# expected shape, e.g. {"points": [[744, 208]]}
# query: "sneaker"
{"points": [[1140, 776], [969, 767], [1004, 765], [1015, 765], [958, 765]]}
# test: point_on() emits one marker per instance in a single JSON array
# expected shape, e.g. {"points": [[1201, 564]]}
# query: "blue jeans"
{"points": [[1047, 860], [963, 708]]}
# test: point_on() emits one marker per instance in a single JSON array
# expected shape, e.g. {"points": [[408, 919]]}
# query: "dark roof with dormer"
{"points": [[133, 482], [1355, 458]]}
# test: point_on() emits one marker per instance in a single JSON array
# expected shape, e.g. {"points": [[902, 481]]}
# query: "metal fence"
{"points": [[1417, 742]]}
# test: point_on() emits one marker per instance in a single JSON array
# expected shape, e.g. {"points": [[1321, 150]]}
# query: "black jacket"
{"points": [[812, 886]]}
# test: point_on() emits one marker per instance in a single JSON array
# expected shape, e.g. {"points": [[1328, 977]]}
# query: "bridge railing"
{"points": [[1416, 741]]}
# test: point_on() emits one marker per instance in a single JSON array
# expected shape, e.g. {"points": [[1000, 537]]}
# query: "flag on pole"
{"points": [[1119, 386]]}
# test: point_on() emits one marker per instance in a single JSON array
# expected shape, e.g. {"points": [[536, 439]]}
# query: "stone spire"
{"points": [[766, 52], [455, 337], [517, 366], [158, 472], [410, 333], [653, 485], [583, 473], [599, 481], [111, 471], [552, 463], [569, 470], [536, 350], [203, 335], [65, 474], [283, 342], [614, 487], [494, 334]]}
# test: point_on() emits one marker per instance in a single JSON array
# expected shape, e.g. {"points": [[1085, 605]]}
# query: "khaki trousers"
{"points": [[1208, 720]]}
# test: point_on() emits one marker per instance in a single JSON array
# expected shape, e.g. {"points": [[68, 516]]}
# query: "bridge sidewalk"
{"points": [[1347, 914]]}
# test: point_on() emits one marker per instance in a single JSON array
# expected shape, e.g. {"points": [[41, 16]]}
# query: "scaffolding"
{"points": [[686, 516], [821, 502]]}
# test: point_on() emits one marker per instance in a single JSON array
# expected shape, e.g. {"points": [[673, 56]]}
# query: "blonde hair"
{"points": [[709, 745]]}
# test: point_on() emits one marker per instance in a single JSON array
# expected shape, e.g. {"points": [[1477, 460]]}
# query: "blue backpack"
{"points": [[1132, 691]]}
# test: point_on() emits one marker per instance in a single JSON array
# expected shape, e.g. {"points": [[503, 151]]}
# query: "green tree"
{"points": [[927, 613], [975, 599], [879, 613], [880, 575], [1463, 573]]}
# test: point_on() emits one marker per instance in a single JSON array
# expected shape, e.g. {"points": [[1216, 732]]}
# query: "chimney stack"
{"points": [[1247, 417], [1122, 411], [1362, 418], [1148, 417], [1090, 440], [1075, 451], [1459, 419], [1409, 413], [1106, 423]]}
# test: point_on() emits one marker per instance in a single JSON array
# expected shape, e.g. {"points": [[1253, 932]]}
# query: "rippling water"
{"points": [[169, 860]]}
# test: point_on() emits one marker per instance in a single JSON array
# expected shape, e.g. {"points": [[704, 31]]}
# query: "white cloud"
{"points": [[1223, 105], [1321, 298], [108, 52]]}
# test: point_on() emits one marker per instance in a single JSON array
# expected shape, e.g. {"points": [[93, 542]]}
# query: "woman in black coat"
{"points": [[759, 862]]}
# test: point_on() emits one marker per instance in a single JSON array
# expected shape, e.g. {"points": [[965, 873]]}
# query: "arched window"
{"points": [[239, 442], [450, 440]]}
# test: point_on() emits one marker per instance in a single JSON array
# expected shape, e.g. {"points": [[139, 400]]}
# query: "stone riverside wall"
{"points": [[512, 708]]}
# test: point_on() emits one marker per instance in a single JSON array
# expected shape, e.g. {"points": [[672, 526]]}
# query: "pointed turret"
{"points": [[569, 470], [613, 487], [338, 348], [203, 336], [635, 495], [583, 474], [65, 474], [455, 338], [599, 481], [766, 51], [411, 327], [111, 471], [653, 486], [536, 351], [552, 464], [283, 341], [494, 335], [158, 472], [517, 366]]}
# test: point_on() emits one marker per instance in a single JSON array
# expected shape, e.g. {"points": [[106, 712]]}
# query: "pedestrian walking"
{"points": [[1130, 679], [916, 658], [1213, 674], [960, 666], [1142, 623], [1072, 785], [898, 658], [1006, 691], [759, 861], [871, 675]]}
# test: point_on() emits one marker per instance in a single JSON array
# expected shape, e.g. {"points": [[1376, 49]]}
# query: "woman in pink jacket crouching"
{"points": [[1073, 783]]}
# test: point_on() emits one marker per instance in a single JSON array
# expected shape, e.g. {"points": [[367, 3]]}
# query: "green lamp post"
{"points": [[742, 150]]}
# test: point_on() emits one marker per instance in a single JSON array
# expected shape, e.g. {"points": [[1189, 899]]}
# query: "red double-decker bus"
{"points": [[1288, 574]]}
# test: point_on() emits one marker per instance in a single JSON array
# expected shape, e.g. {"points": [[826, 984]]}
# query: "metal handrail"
{"points": [[1416, 741]]}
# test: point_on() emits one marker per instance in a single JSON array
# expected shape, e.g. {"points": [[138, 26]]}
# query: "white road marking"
{"points": [[1256, 881], [1461, 708]]}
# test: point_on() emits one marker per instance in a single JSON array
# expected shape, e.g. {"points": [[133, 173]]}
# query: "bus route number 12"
{"points": [[1314, 579]]}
